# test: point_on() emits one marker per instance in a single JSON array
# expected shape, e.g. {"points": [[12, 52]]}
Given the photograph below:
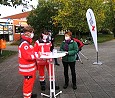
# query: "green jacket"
{"points": [[72, 51]]}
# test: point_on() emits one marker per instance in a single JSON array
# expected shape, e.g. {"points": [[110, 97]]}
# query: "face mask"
{"points": [[45, 37], [67, 38], [32, 35]]}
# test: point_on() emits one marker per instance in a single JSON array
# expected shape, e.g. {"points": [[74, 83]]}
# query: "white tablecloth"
{"points": [[53, 55]]}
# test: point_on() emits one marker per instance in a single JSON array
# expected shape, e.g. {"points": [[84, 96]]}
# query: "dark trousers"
{"points": [[56, 62], [73, 73]]}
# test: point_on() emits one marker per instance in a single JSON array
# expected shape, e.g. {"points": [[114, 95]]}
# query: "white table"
{"points": [[50, 56]]}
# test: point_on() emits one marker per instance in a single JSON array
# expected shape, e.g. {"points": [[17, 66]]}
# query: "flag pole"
{"points": [[97, 62], [92, 26], [97, 57]]}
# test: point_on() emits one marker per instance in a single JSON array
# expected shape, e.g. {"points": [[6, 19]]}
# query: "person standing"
{"points": [[42, 46], [51, 38], [80, 45], [69, 60], [27, 62]]}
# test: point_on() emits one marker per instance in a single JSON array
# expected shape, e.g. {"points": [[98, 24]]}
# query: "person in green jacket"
{"points": [[69, 60]]}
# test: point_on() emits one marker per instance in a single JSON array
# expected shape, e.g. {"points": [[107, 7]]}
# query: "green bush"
{"points": [[58, 40]]}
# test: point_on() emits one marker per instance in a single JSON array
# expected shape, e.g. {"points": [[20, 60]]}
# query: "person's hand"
{"points": [[60, 58], [37, 56], [66, 53]]}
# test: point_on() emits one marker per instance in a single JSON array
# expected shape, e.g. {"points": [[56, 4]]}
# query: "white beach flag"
{"points": [[92, 26]]}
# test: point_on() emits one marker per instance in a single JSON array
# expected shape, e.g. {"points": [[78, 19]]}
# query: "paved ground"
{"points": [[93, 81]]}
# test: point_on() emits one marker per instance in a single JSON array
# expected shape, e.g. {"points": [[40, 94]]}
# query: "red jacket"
{"points": [[42, 48], [80, 44], [26, 57]]}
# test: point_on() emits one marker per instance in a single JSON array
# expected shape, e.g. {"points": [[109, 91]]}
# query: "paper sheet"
{"points": [[53, 55]]}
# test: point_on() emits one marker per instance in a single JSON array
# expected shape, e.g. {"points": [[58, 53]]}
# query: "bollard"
{"points": [[2, 45]]}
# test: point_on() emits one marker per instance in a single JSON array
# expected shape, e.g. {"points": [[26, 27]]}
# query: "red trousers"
{"points": [[28, 85], [41, 68]]}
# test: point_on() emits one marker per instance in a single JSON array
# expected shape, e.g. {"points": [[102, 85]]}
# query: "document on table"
{"points": [[53, 55]]}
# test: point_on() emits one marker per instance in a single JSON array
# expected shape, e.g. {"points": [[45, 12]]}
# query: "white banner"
{"points": [[92, 26]]}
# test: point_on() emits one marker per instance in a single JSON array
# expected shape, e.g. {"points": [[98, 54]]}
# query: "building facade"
{"points": [[11, 26]]}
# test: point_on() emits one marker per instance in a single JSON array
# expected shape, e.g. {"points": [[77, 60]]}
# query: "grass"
{"points": [[15, 42], [105, 37], [6, 54]]}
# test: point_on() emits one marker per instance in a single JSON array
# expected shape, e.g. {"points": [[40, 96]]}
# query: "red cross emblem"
{"points": [[93, 28]]}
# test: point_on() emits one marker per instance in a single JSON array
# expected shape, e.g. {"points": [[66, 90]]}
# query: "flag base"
{"points": [[97, 63]]}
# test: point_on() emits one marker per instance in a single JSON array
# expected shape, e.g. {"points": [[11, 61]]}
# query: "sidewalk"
{"points": [[93, 81]]}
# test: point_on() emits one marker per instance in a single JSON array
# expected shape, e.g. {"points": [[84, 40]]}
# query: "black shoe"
{"points": [[74, 87], [77, 58], [57, 87], [34, 96], [43, 85], [57, 64], [65, 86]]}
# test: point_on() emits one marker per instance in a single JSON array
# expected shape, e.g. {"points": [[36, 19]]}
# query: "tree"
{"points": [[42, 17], [69, 15], [11, 2], [72, 15], [109, 16], [14, 3]]}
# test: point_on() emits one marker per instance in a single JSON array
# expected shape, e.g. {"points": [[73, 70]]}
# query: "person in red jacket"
{"points": [[80, 45], [27, 62], [42, 46]]}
